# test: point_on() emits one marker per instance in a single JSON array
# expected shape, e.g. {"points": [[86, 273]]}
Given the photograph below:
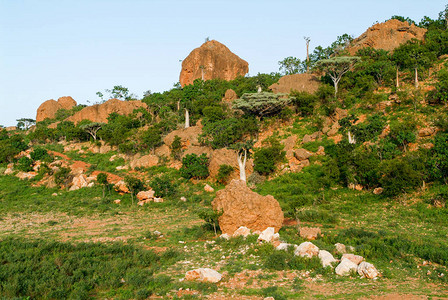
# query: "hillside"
{"points": [[344, 192]]}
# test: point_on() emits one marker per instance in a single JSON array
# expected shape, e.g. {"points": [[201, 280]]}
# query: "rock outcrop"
{"points": [[241, 206], [297, 82], [211, 61], [48, 109], [100, 112], [387, 36]]}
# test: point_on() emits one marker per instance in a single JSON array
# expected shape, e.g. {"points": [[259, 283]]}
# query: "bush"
{"points": [[176, 148], [25, 164], [62, 176], [304, 102], [194, 166], [266, 158], [151, 138], [134, 185], [163, 186], [40, 154], [398, 177], [210, 217], [224, 173]]}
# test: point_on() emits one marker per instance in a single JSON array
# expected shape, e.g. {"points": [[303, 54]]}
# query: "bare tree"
{"points": [[92, 128], [307, 40]]}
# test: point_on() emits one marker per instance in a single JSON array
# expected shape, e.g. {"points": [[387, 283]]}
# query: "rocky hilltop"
{"points": [[210, 61], [48, 109], [387, 36], [100, 112]]}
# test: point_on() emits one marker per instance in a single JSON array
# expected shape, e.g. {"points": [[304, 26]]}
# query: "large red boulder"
{"points": [[211, 61], [48, 109], [100, 112], [241, 206], [296, 82], [387, 36]]}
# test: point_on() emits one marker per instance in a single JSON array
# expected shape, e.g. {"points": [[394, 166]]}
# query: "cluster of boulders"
{"points": [[348, 263], [145, 197]]}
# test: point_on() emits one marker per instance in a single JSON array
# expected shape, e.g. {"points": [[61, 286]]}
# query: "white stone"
{"points": [[367, 270], [283, 246], [326, 258], [267, 234], [158, 200], [224, 236], [340, 248], [204, 274], [242, 231], [307, 249], [357, 259], [183, 199], [346, 267]]}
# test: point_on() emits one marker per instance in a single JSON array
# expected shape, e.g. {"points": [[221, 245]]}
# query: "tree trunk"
{"points": [[202, 73], [416, 78], [351, 139], [242, 164], [187, 119], [335, 89], [307, 56], [397, 82]]}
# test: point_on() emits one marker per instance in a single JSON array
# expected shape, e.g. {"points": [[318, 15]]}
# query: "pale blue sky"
{"points": [[54, 48]]}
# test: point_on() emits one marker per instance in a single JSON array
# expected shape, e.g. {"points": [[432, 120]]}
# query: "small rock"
{"points": [[119, 168], [158, 200], [183, 199], [269, 298], [326, 258], [241, 231], [283, 246], [356, 259], [367, 270], [346, 267], [224, 236], [157, 233], [307, 249], [358, 187], [302, 154], [203, 274], [310, 233], [378, 191], [54, 194], [208, 188], [276, 237], [267, 234], [340, 248], [143, 202], [117, 201]]}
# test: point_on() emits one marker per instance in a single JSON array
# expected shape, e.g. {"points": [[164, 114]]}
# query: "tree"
{"points": [[336, 67], [118, 92], [102, 179], [261, 104], [134, 185], [92, 128], [194, 166], [290, 65], [25, 123], [307, 40], [243, 153]]}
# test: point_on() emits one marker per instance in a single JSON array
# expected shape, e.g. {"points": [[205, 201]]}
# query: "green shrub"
{"points": [[134, 185], [62, 176], [176, 148], [39, 154], [194, 166], [224, 173], [163, 187], [304, 102], [25, 164], [266, 158], [151, 138], [210, 217], [398, 177], [437, 161]]}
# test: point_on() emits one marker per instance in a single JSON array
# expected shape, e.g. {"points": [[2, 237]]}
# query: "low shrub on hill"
{"points": [[194, 166]]}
